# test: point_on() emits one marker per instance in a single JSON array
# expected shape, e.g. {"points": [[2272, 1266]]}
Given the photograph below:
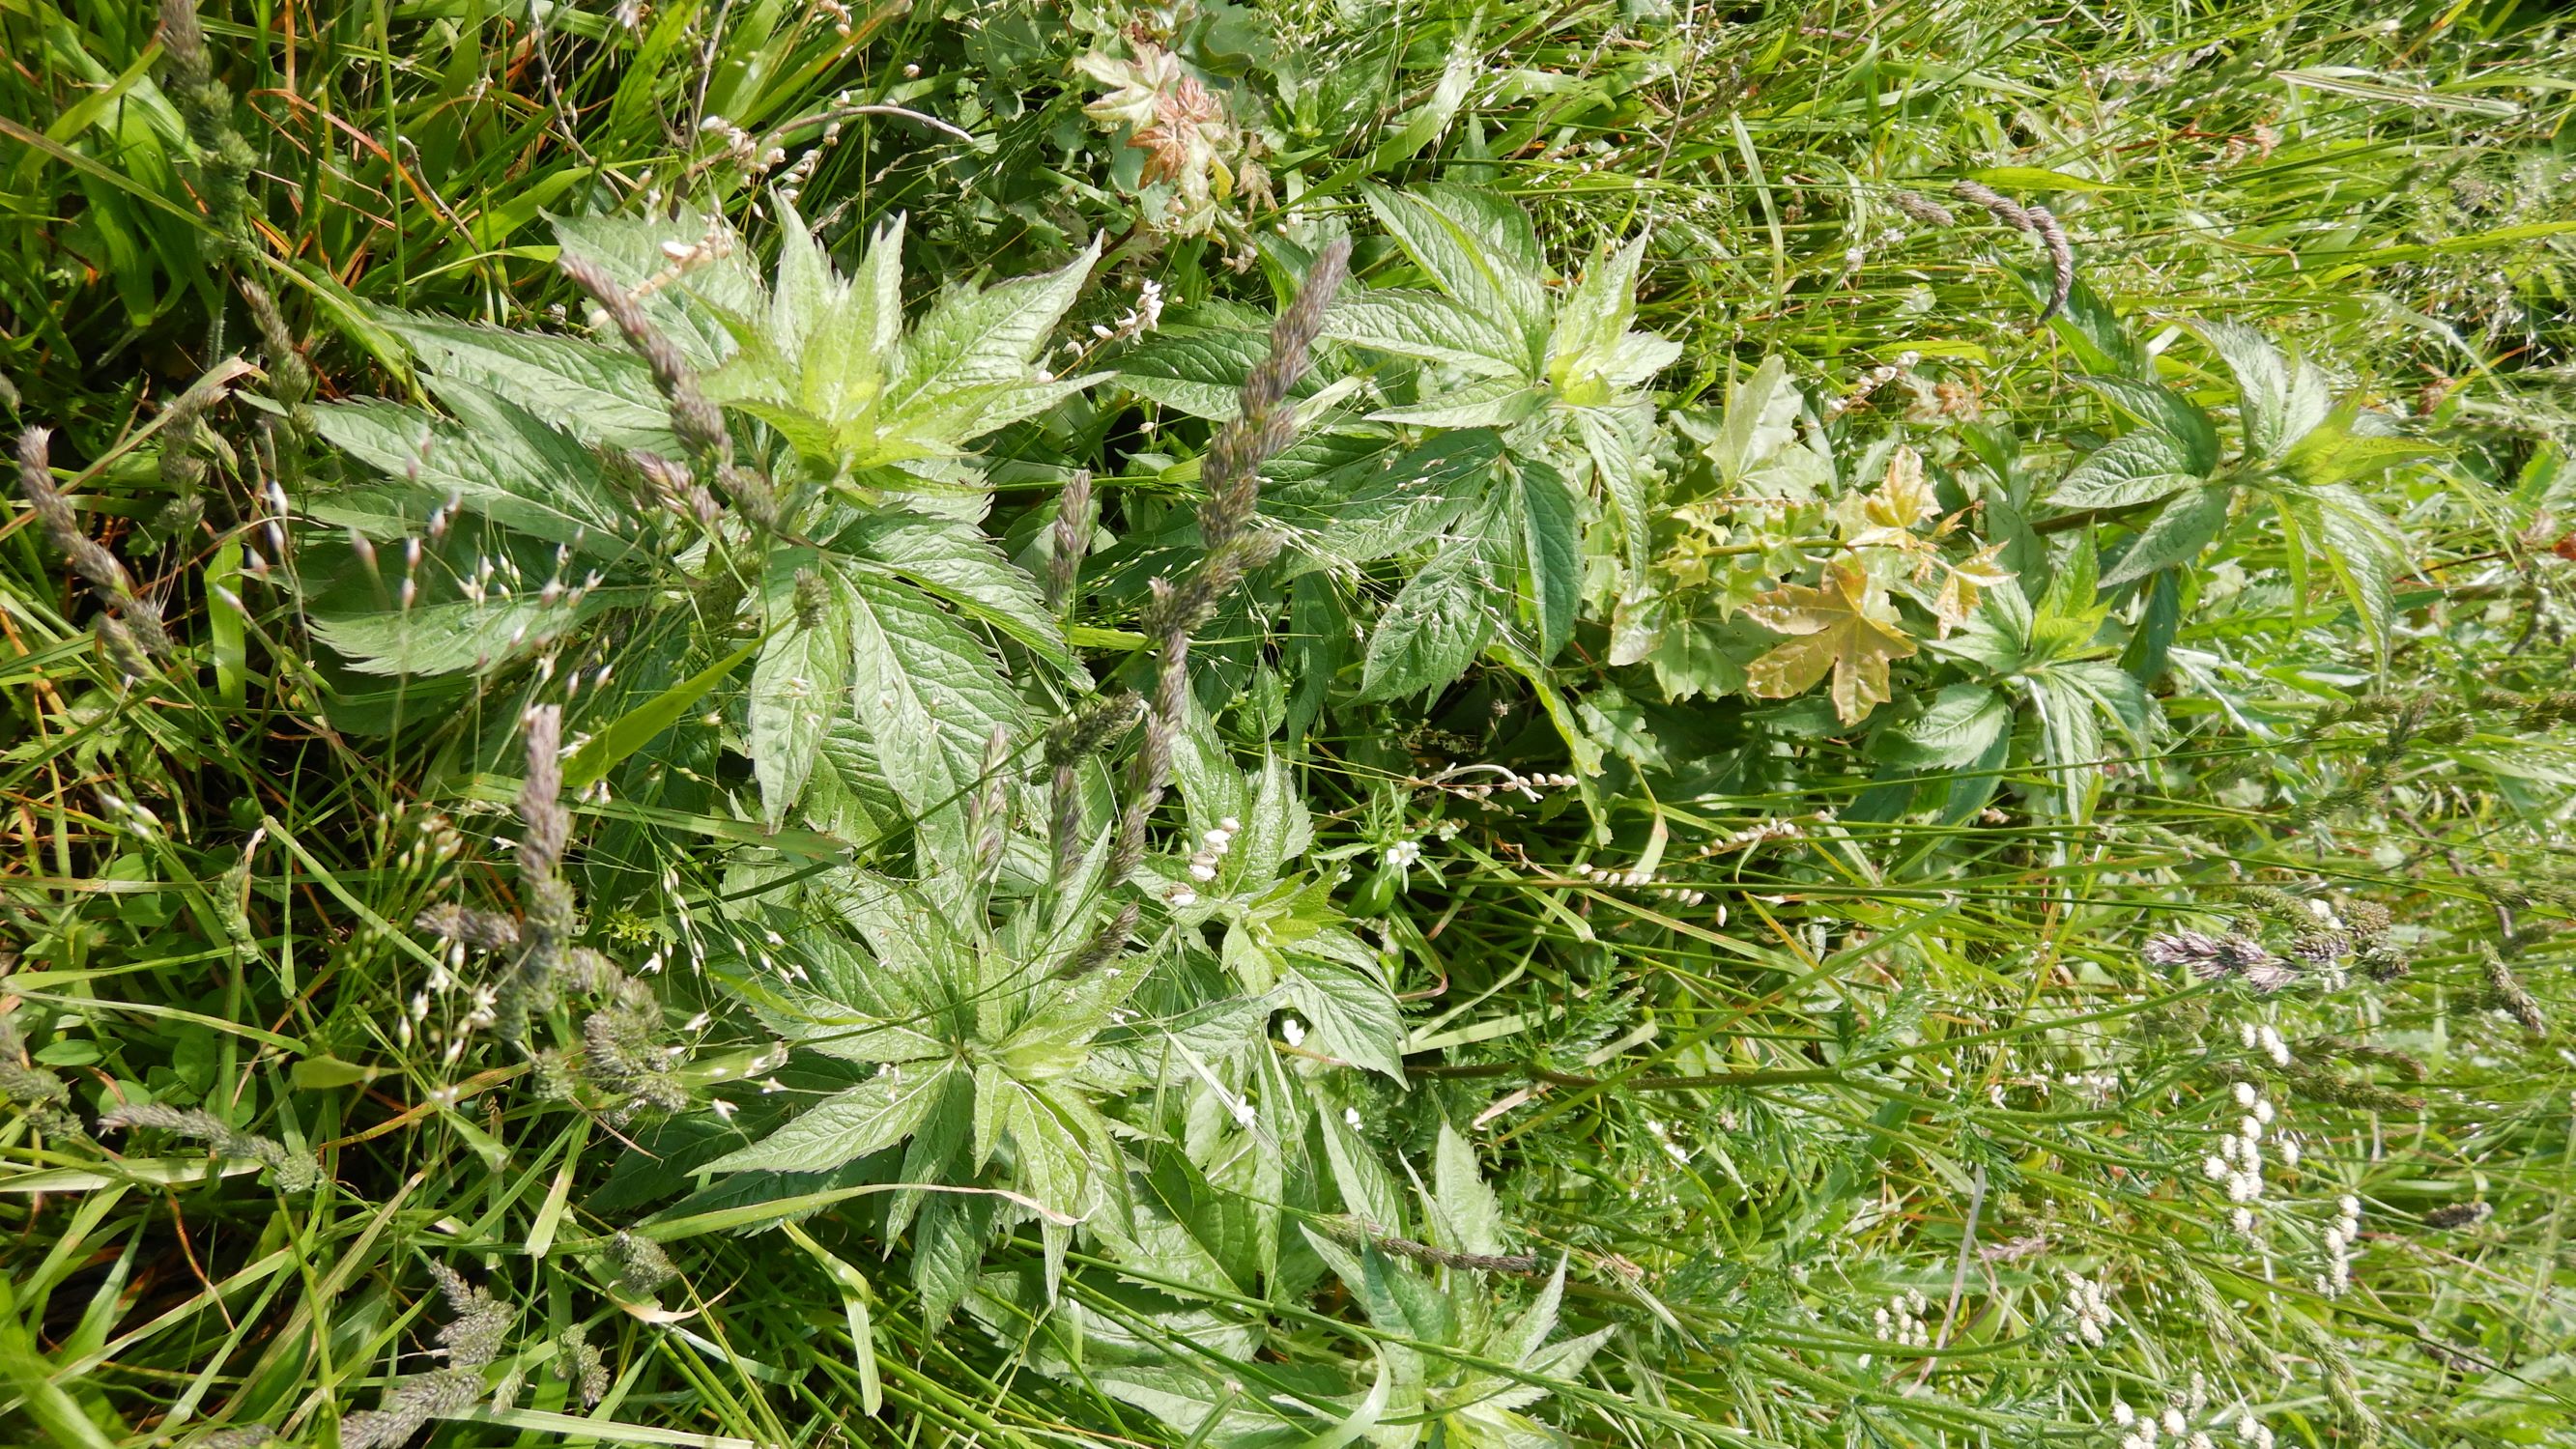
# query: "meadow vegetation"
{"points": [[1287, 725]]}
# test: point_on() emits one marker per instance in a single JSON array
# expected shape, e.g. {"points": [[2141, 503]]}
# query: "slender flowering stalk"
{"points": [[140, 618], [698, 423], [1073, 517], [1923, 209], [1102, 947], [224, 163], [472, 1340], [547, 925], [1359, 1233], [1090, 729], [2040, 222], [1265, 423], [293, 1171], [33, 1090], [2216, 958]]}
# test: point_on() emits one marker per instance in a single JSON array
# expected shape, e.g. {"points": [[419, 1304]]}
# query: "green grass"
{"points": [[1880, 1023]]}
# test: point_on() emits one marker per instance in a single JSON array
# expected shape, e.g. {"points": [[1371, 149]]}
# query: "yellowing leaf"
{"points": [[1905, 498], [1958, 597], [1846, 627], [1889, 514]]}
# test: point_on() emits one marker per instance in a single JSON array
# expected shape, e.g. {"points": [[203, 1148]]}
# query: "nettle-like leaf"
{"points": [[825, 360], [1566, 377], [986, 1072], [1844, 627], [2279, 399]]}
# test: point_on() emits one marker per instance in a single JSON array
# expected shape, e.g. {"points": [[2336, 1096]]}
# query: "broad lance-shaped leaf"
{"points": [[2280, 400], [1552, 545], [958, 563], [982, 338], [2167, 411], [464, 634], [870, 1117], [601, 395], [1610, 440], [1963, 720], [1468, 1215], [2136, 467], [1354, 1018], [1201, 373], [929, 693], [499, 461], [1435, 628], [1479, 249], [823, 360], [2177, 534], [1846, 628], [801, 682], [1592, 354], [1408, 322]]}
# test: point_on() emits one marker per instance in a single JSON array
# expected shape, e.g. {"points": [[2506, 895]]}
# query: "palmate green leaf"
{"points": [[870, 1117], [2136, 467], [1761, 418]]}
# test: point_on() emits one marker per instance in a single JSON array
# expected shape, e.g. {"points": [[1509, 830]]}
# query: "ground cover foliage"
{"points": [[752, 723]]}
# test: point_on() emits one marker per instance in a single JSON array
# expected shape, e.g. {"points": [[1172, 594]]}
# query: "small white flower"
{"points": [[2174, 1421], [2242, 1220], [2122, 1414], [1351, 1117], [2246, 1096], [2263, 1112], [1292, 1031]]}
